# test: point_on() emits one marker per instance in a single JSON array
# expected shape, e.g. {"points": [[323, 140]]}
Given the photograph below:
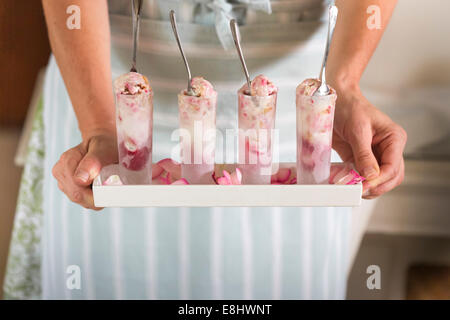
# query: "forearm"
{"points": [[354, 43], [83, 57]]}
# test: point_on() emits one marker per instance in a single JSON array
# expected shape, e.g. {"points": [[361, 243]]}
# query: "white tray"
{"points": [[224, 196]]}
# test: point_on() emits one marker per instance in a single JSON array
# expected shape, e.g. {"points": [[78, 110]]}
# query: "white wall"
{"points": [[409, 75], [415, 50]]}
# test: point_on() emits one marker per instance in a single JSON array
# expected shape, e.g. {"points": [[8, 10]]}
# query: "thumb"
{"points": [[101, 151], [365, 160], [88, 169]]}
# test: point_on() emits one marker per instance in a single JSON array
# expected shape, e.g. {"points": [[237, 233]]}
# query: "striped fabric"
{"points": [[195, 253]]}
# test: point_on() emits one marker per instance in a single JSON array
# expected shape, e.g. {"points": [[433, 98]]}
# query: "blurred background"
{"points": [[406, 232]]}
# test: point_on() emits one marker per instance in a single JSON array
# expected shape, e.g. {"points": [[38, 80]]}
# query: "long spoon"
{"points": [[323, 89], [235, 33], [136, 12], [173, 21]]}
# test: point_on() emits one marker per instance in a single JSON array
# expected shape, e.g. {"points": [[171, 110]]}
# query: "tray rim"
{"points": [[287, 195]]}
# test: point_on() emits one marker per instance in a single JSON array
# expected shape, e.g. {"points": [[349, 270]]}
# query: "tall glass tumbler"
{"points": [[315, 116], [134, 124], [256, 124], [197, 117]]}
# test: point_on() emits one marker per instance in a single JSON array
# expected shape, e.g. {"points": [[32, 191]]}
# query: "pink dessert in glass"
{"points": [[315, 115], [134, 123], [197, 115], [257, 110]]}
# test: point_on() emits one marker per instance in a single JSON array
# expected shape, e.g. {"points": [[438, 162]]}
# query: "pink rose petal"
{"points": [[228, 179], [282, 175], [171, 166], [339, 171], [181, 181], [356, 178], [223, 181], [227, 176], [157, 170], [165, 178], [214, 177], [344, 174], [334, 170], [113, 180], [236, 177]]}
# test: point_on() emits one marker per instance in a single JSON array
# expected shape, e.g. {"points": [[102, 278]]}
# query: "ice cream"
{"points": [[198, 131], [134, 123], [132, 83], [315, 115], [262, 87], [256, 123], [202, 88]]}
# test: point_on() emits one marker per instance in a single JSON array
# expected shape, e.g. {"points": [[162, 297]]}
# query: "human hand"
{"points": [[78, 167], [369, 138]]}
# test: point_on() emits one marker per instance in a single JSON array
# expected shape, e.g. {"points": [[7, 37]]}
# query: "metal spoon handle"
{"points": [[173, 21], [136, 12], [333, 13], [235, 33]]}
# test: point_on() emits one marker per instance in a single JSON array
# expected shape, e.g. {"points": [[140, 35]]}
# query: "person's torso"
{"points": [[195, 253]]}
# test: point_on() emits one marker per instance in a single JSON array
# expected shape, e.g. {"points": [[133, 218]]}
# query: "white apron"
{"points": [[192, 253]]}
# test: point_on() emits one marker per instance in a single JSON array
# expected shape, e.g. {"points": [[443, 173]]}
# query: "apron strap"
{"points": [[222, 11]]}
